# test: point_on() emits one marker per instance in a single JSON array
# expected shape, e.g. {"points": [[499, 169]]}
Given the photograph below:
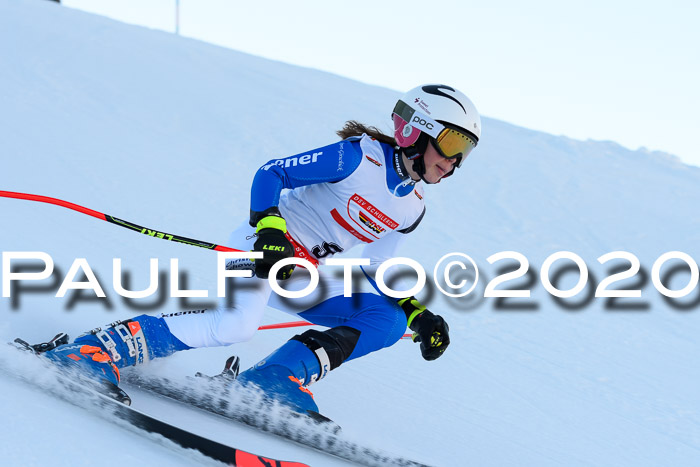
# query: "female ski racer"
{"points": [[365, 189]]}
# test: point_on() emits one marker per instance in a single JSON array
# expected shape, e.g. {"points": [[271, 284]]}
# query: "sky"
{"points": [[624, 71]]}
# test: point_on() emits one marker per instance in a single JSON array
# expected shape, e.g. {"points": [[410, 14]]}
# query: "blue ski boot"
{"points": [[282, 374], [99, 354], [285, 374]]}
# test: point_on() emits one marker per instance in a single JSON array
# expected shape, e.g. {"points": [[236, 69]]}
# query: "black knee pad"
{"points": [[333, 346]]}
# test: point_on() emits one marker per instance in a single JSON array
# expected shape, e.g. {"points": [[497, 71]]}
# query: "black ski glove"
{"points": [[270, 228], [429, 329]]}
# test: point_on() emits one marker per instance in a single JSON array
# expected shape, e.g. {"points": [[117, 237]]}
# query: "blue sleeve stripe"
{"points": [[327, 164]]}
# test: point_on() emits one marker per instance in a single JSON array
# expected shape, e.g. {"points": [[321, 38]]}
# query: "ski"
{"points": [[244, 405], [215, 450], [79, 394]]}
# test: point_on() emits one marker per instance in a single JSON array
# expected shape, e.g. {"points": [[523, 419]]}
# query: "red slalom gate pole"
{"points": [[115, 220]]}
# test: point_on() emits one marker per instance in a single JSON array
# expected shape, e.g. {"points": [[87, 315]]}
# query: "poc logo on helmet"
{"points": [[422, 122]]}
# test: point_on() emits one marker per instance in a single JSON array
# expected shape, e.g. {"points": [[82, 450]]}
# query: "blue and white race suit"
{"points": [[348, 193]]}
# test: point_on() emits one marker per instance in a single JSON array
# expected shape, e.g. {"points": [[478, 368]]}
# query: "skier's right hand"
{"points": [[274, 245]]}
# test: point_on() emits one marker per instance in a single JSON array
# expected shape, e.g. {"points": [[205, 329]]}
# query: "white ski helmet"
{"points": [[439, 114]]}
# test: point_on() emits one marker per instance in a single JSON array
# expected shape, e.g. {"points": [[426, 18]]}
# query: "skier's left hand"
{"points": [[429, 329]]}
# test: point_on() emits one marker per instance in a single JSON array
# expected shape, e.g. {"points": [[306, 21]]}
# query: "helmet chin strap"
{"points": [[416, 153], [419, 168]]}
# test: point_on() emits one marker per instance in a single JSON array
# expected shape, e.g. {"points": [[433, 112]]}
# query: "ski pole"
{"points": [[146, 231], [291, 324], [294, 324], [116, 221]]}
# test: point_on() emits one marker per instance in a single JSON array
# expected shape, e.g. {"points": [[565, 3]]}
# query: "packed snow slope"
{"points": [[167, 132]]}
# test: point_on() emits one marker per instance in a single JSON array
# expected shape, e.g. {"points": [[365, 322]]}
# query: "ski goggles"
{"points": [[450, 141]]}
